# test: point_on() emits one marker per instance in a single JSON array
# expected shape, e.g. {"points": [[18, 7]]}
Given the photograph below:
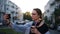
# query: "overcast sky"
{"points": [[28, 5]]}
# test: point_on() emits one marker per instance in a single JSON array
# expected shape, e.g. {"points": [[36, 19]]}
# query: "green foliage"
{"points": [[47, 21], [57, 13], [9, 31], [27, 17]]}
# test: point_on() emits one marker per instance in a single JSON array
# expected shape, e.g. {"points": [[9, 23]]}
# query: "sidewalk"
{"points": [[54, 32]]}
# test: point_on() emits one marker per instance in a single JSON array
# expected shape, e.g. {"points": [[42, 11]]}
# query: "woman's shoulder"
{"points": [[44, 25], [44, 28]]}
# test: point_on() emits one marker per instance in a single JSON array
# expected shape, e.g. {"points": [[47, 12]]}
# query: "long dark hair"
{"points": [[38, 11]]}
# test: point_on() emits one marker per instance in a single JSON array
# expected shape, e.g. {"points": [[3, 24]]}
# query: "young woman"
{"points": [[36, 27], [39, 27]]}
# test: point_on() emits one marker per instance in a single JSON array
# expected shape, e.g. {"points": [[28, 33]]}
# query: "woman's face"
{"points": [[35, 15]]}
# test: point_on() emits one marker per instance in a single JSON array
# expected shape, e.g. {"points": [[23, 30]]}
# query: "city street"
{"points": [[23, 16]]}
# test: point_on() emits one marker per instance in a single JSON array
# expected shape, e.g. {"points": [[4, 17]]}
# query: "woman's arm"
{"points": [[21, 28], [15, 26]]}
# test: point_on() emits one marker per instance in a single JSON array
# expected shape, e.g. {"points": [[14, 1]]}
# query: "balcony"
{"points": [[2, 12], [52, 3]]}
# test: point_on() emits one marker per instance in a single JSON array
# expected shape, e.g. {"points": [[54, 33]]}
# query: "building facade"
{"points": [[2, 9], [11, 8], [50, 8]]}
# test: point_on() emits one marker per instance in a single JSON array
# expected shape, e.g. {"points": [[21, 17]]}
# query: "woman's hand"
{"points": [[34, 30], [6, 18]]}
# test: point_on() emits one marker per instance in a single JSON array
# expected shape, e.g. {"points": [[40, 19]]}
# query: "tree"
{"points": [[47, 21], [27, 16], [57, 13]]}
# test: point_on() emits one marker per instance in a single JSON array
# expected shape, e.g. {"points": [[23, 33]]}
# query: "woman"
{"points": [[37, 27], [38, 24]]}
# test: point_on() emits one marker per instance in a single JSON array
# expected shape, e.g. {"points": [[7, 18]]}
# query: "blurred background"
{"points": [[20, 13]]}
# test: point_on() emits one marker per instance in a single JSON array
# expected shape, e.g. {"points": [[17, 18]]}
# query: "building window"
{"points": [[7, 4], [12, 6], [52, 3], [47, 10], [16, 12], [7, 8], [16, 8], [12, 12]]}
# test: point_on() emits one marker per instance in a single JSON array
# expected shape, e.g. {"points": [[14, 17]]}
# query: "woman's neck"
{"points": [[37, 20]]}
